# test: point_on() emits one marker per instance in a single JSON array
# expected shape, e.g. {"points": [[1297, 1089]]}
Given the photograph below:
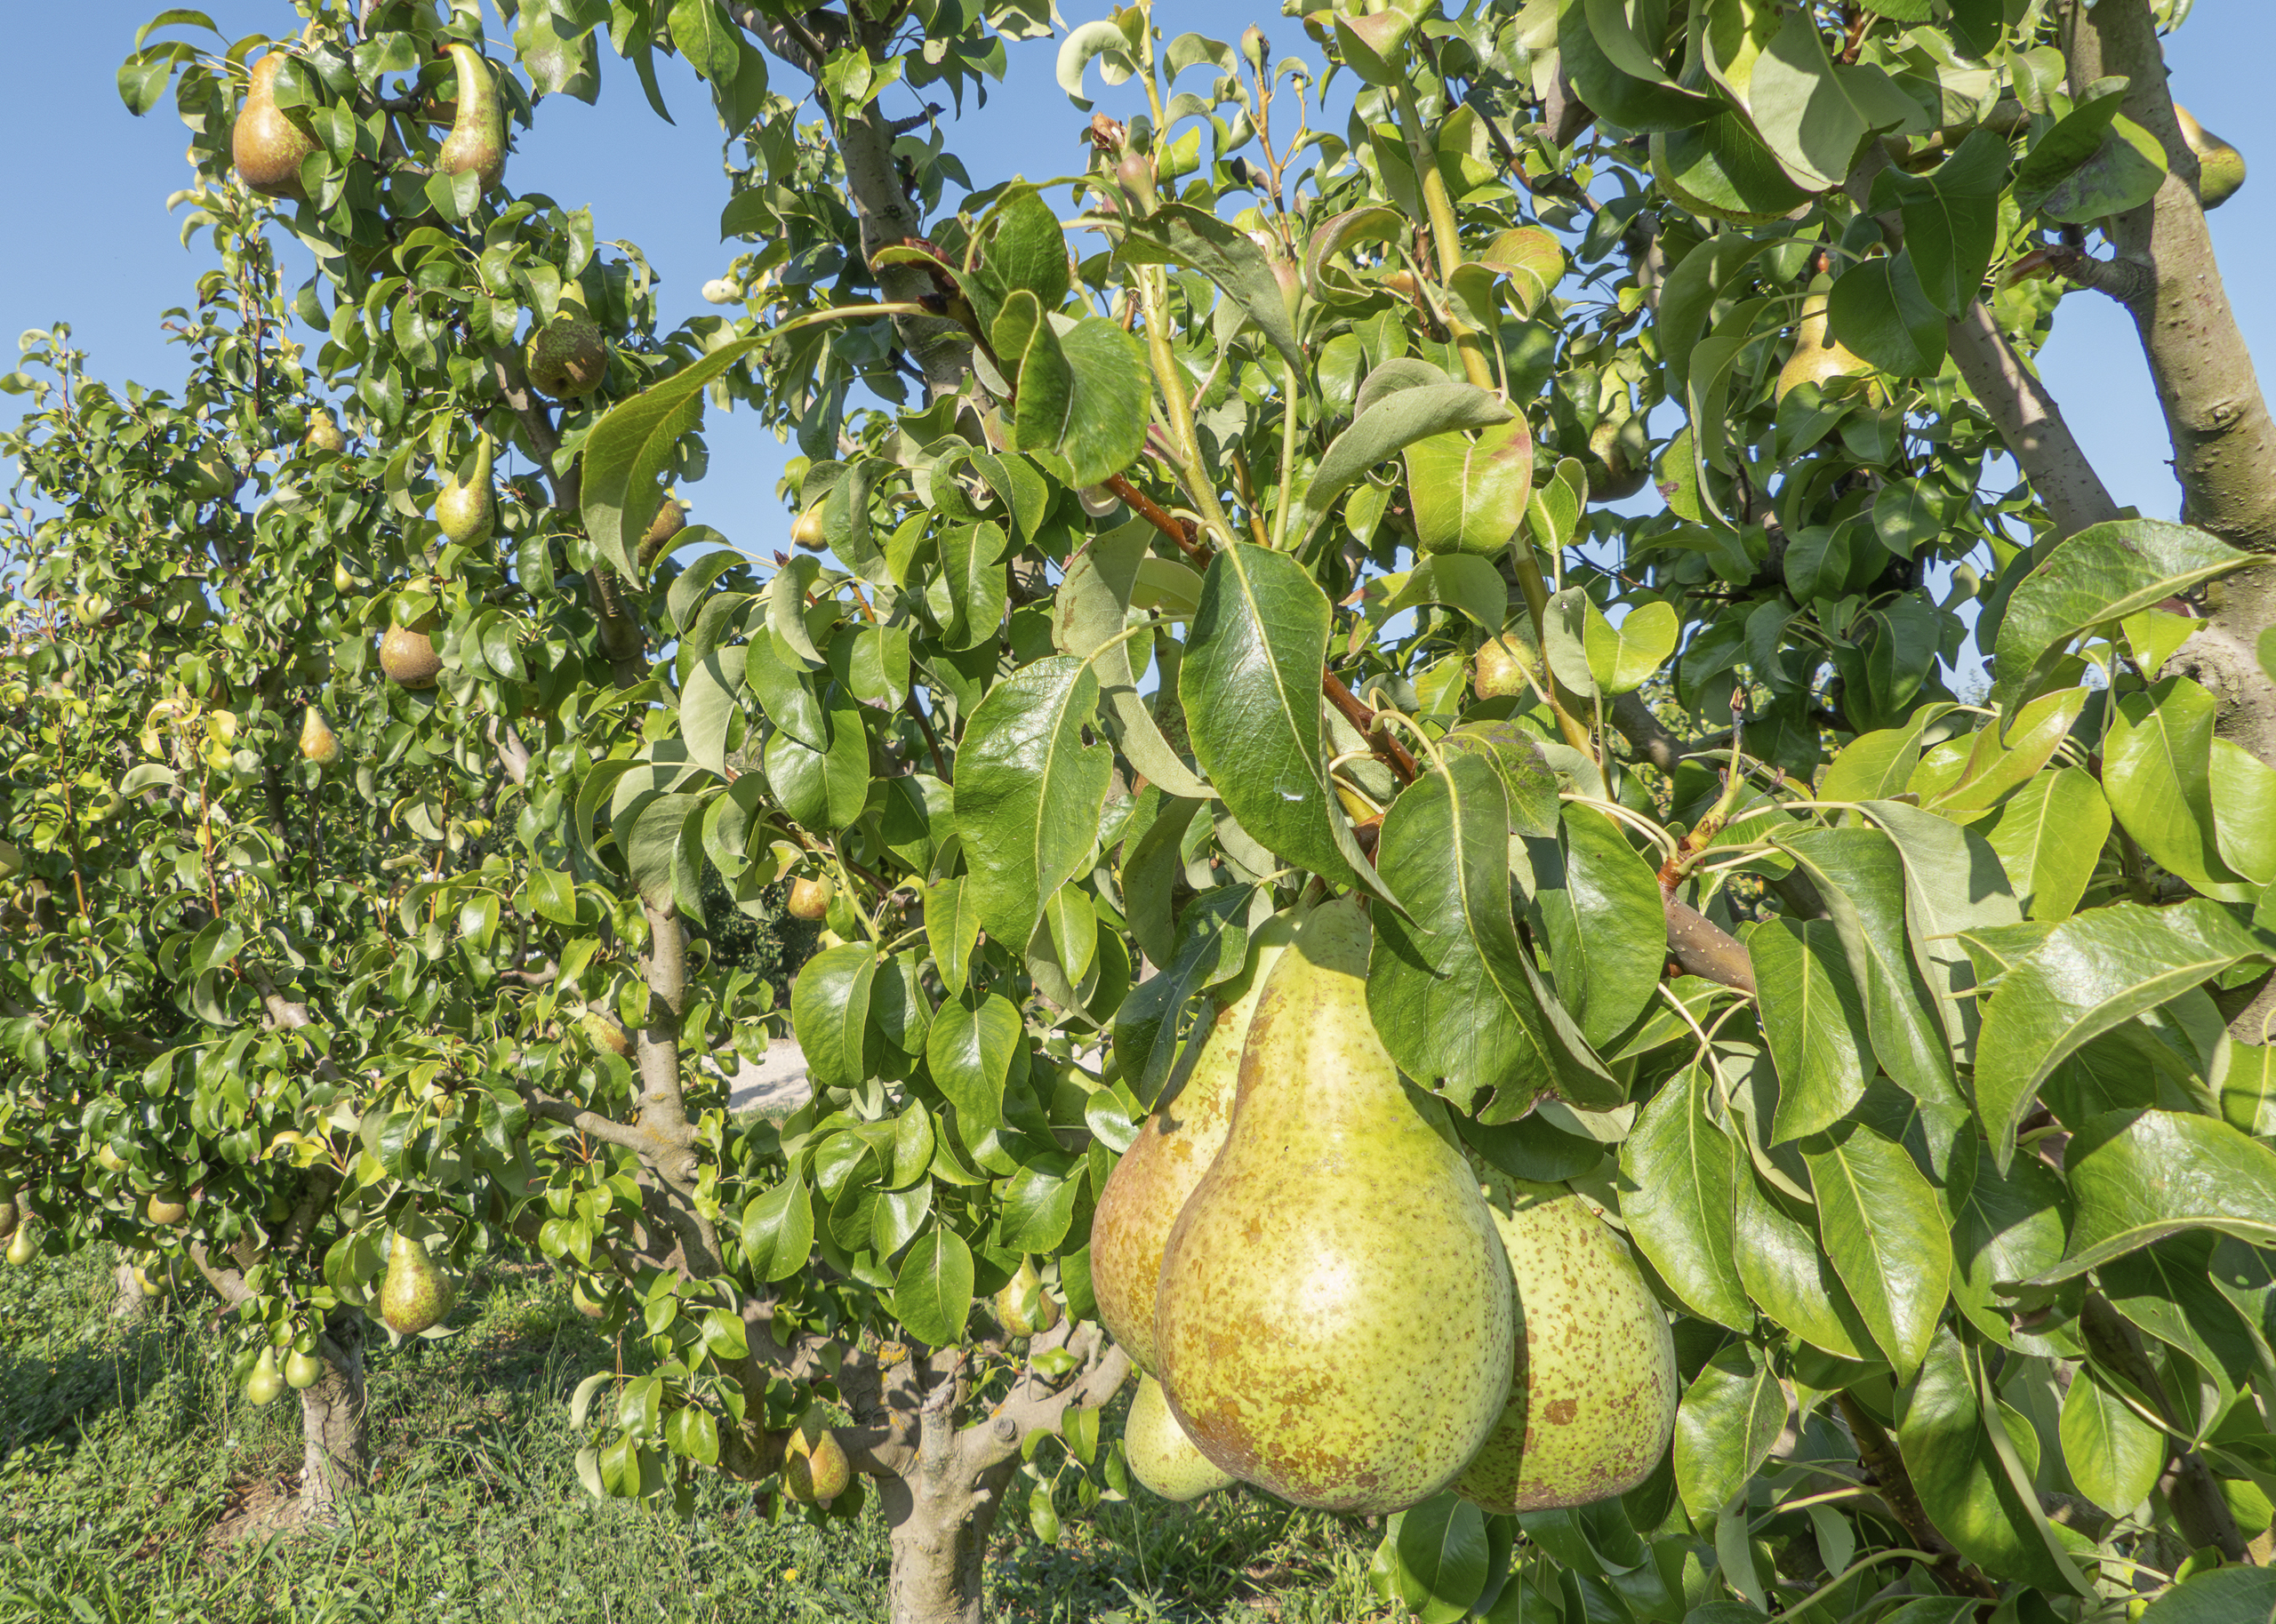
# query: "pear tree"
{"points": [[1245, 516]]}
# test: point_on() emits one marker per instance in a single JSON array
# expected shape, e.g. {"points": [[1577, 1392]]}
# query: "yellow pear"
{"points": [[1024, 1307], [1593, 1395], [23, 1249], [476, 143], [265, 1383], [269, 142], [108, 1159], [468, 510], [1499, 667], [806, 530], [815, 1470], [303, 1370], [1819, 357], [407, 654], [2220, 167], [166, 1207], [1151, 1184], [810, 899], [1335, 1322], [319, 743], [1159, 1454]]}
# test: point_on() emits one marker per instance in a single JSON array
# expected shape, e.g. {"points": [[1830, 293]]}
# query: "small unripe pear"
{"points": [[303, 1370], [1819, 357], [1619, 460], [810, 899], [1499, 667], [806, 530], [324, 433], [567, 356], [23, 1249], [319, 743], [2220, 167], [670, 519], [342, 582], [1024, 1307], [108, 1159], [722, 291], [608, 1035], [417, 1295], [476, 143], [468, 510], [815, 1470], [266, 1382]]}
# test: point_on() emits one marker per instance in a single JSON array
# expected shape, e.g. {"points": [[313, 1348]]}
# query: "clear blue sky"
{"points": [[94, 245]]}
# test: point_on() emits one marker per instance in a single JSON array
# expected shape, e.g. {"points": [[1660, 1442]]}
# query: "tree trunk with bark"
{"points": [[334, 1442]]}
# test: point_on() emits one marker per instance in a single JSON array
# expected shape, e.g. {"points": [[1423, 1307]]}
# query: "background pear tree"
{"points": [[1215, 527]]}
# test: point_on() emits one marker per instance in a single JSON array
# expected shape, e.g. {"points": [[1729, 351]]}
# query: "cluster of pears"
{"points": [[300, 1369], [269, 143], [418, 1293], [1328, 1296]]}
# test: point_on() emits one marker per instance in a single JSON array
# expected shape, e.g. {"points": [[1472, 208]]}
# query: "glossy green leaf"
{"points": [[1883, 1229], [1621, 658], [1679, 1172], [2157, 767], [2139, 1176], [1953, 883], [1178, 233], [1442, 1557], [830, 1009], [1029, 792], [1877, 309], [2009, 1226], [1391, 424], [1789, 1277], [2224, 1596], [1084, 394], [2102, 967], [1731, 1414], [932, 1290], [1817, 115], [2244, 810], [1468, 493], [1814, 1022], [1599, 901], [970, 1050], [2048, 837], [1088, 614]]}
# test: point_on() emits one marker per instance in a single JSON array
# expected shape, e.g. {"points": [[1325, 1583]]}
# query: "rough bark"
{"points": [[133, 1303], [334, 1446]]}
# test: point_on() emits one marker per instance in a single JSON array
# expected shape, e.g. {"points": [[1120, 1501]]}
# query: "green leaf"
{"points": [[1612, 61], [1952, 218], [1029, 793], [1621, 658], [1957, 1473], [1678, 1174], [932, 1290], [1468, 495], [778, 1230], [2225, 1596], [1083, 394], [1087, 614], [629, 450], [2105, 572], [1250, 682], [2093, 972], [1606, 925], [2009, 1226], [1814, 1022], [1211, 946], [2244, 810], [2157, 775], [1815, 116], [1391, 424], [1452, 991], [1879, 309], [829, 1011], [1885, 1234], [1178, 233], [970, 1051], [1790, 1278], [2049, 836], [1953, 883], [1442, 1557], [1860, 875], [2139, 1176], [1731, 1414]]}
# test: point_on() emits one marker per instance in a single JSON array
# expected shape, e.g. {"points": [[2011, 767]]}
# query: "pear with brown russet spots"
{"points": [[1334, 1320]]}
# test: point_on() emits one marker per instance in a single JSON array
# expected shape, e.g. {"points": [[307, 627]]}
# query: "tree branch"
{"points": [[1894, 1484]]}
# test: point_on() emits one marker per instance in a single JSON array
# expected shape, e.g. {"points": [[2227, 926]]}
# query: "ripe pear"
{"points": [[269, 142], [476, 143], [670, 519], [810, 899], [1149, 1185], [1592, 1401], [407, 654], [1498, 669], [468, 510], [1335, 1322], [806, 530], [303, 1370], [1024, 1307], [167, 1207], [417, 1295], [567, 356], [1819, 357], [23, 1249], [1160, 1455], [319, 743], [2220, 167], [265, 1383], [108, 1159], [324, 433], [815, 1470]]}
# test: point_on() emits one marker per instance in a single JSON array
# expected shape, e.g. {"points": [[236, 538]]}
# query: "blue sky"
{"points": [[94, 245]]}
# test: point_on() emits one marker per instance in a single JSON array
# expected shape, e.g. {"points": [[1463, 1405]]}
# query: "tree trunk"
{"points": [[132, 1303], [336, 1456], [939, 1525]]}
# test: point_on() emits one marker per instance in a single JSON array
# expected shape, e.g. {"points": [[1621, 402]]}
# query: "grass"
{"points": [[126, 1456]]}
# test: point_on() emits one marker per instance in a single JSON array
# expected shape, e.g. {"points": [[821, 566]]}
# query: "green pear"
{"points": [[1592, 1399], [1024, 1307], [2220, 167], [324, 433], [268, 143], [108, 1159], [567, 356], [265, 1383], [608, 1035], [810, 898], [166, 1207], [8, 1215], [407, 654], [815, 1470], [1818, 356], [1160, 1455], [23, 1248], [468, 510], [476, 143], [1499, 667], [670, 519], [319, 743], [1335, 1322], [1151, 1184], [806, 530], [303, 1370], [417, 1295], [1619, 458]]}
